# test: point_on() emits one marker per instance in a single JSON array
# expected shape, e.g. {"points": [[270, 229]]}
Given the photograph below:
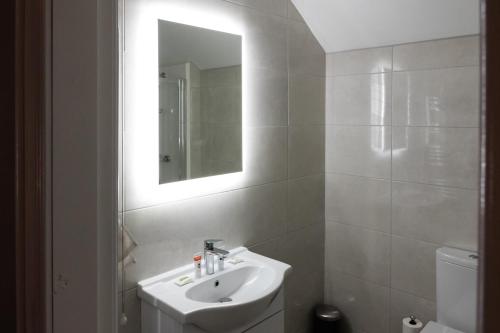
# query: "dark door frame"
{"points": [[7, 165], [30, 143], [489, 242]]}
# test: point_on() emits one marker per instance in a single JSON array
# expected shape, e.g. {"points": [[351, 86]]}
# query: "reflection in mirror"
{"points": [[200, 116]]}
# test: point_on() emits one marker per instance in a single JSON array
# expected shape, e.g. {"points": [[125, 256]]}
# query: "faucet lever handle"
{"points": [[209, 243]]}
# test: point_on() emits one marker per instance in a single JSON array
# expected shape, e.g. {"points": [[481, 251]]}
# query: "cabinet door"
{"points": [[274, 324]]}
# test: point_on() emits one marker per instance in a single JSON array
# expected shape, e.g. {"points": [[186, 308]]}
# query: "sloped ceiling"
{"points": [[354, 24]]}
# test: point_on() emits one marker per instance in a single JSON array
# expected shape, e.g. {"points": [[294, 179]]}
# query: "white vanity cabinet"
{"points": [[273, 324], [272, 320]]}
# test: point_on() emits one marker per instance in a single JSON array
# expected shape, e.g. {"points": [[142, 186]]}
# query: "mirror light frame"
{"points": [[140, 99]]}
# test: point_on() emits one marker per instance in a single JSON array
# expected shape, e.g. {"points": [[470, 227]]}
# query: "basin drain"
{"points": [[225, 300]]}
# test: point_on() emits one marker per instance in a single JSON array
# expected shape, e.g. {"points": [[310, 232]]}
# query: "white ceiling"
{"points": [[180, 43], [354, 24]]}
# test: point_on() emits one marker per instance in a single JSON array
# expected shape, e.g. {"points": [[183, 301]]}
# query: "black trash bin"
{"points": [[326, 319]]}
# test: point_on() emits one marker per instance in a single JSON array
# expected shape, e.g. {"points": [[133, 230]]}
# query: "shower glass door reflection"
{"points": [[172, 129]]}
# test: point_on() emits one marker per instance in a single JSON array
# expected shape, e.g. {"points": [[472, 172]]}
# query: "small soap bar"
{"points": [[235, 260], [183, 280]]}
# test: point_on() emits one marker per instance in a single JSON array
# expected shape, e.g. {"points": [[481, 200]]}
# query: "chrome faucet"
{"points": [[210, 252]]}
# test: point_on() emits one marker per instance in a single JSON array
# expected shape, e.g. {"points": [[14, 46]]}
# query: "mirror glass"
{"points": [[200, 112]]}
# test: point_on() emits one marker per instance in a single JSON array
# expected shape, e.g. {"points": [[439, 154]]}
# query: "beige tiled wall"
{"points": [[401, 175], [217, 131], [280, 210]]}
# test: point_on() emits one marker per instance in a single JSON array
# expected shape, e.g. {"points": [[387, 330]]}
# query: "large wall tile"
{"points": [[265, 40], [266, 97], [272, 248], [277, 7], [444, 97], [262, 216], [306, 202], [266, 158], [413, 267], [359, 150], [307, 99], [375, 60], [306, 152], [306, 56], [300, 304], [435, 214], [365, 305], [441, 156], [359, 201], [453, 52], [293, 13], [359, 100], [174, 222], [404, 305], [359, 252]]}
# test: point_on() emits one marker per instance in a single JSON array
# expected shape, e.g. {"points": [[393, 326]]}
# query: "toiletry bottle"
{"points": [[197, 266]]}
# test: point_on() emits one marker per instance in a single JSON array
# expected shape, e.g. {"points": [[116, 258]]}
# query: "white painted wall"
{"points": [[84, 162], [346, 25]]}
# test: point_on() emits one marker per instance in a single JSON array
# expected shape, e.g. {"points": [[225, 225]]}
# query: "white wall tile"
{"points": [[359, 99], [358, 201], [365, 305], [267, 156], [278, 7], [359, 150], [265, 40], [454, 52], [293, 13], [375, 60], [443, 97], [266, 97], [306, 152], [307, 100], [441, 156], [359, 252], [413, 267], [306, 202], [436, 214], [301, 299], [306, 56]]}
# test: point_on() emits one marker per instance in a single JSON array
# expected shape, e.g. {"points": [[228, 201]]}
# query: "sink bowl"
{"points": [[221, 302], [233, 286]]}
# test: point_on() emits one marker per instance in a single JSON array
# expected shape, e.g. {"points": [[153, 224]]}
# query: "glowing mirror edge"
{"points": [[146, 186]]}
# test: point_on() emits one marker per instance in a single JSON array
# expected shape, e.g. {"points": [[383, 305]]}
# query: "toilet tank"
{"points": [[456, 289]]}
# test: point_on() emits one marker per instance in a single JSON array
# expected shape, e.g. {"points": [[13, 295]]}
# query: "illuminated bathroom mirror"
{"points": [[200, 112]]}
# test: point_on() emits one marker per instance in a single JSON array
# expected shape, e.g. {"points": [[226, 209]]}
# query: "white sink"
{"points": [[220, 302]]}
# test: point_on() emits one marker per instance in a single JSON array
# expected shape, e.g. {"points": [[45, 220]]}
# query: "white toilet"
{"points": [[456, 292]]}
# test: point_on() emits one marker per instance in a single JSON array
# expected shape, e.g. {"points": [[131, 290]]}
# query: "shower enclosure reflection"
{"points": [[172, 129], [200, 113]]}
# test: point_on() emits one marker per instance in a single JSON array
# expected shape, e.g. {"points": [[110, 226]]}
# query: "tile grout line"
{"points": [[338, 271], [390, 188], [340, 173], [407, 43], [397, 126], [406, 70]]}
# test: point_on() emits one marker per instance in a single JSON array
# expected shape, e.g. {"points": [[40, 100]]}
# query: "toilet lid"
{"points": [[433, 327]]}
